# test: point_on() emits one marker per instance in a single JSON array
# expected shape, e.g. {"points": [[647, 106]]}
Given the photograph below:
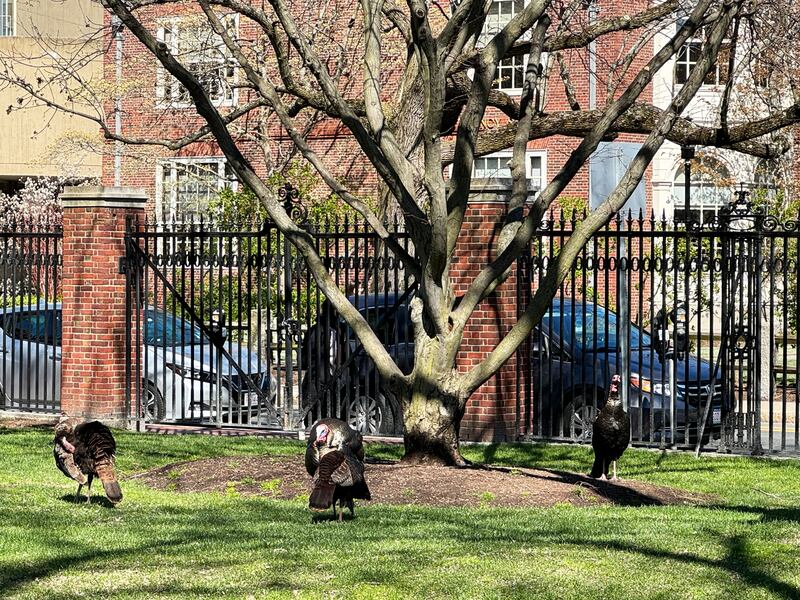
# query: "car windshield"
{"points": [[42, 326], [590, 328], [162, 329]]}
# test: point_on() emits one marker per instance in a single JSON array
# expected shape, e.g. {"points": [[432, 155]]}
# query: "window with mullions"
{"points": [[711, 188], [689, 55], [498, 166], [205, 55], [185, 187], [511, 71], [765, 179], [6, 18]]}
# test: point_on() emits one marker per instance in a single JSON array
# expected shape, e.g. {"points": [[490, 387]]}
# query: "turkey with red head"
{"points": [[611, 433], [84, 451], [331, 434], [334, 458]]}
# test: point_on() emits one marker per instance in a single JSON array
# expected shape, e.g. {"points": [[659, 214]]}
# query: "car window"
{"points": [[41, 327], [590, 327], [162, 329], [384, 327]]}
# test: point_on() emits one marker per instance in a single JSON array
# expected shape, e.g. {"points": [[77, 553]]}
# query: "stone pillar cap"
{"points": [[98, 196]]}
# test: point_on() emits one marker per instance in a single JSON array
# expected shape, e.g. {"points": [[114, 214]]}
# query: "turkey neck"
{"points": [[615, 402]]}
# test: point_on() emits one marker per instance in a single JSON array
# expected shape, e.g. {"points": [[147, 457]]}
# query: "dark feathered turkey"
{"points": [[339, 477], [327, 434], [611, 433], [335, 460], [84, 451]]}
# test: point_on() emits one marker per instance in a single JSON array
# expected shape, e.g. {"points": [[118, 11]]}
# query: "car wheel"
{"points": [[578, 417], [153, 408], [369, 414]]}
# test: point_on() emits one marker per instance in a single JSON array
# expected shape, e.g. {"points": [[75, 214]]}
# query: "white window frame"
{"points": [[705, 195], [9, 18], [695, 44], [507, 65], [529, 155], [173, 212], [169, 91]]}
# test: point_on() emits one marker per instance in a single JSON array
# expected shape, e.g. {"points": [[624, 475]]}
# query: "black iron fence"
{"points": [[30, 316], [229, 328], [701, 323]]}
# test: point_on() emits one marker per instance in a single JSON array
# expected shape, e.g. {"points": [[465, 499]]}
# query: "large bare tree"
{"points": [[426, 87]]}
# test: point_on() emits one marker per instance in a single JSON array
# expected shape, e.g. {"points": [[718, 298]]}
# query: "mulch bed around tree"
{"points": [[395, 483]]}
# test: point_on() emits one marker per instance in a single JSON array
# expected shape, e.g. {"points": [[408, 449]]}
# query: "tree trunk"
{"points": [[431, 430], [432, 412]]}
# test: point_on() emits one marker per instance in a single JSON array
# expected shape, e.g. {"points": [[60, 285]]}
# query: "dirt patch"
{"points": [[394, 483]]}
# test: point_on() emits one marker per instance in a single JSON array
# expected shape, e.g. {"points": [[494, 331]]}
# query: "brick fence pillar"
{"points": [[93, 300], [490, 414]]}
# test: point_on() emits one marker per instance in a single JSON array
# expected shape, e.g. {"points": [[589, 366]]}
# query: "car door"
{"points": [[31, 350], [552, 367]]}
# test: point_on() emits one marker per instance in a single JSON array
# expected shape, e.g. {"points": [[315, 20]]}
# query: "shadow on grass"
{"points": [[619, 495], [737, 561], [578, 458], [97, 500], [67, 554], [765, 515]]}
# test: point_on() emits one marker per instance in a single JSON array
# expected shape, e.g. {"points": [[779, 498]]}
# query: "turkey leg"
{"points": [[89, 490]]}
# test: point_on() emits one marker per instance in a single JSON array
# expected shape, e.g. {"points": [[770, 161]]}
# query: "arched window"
{"points": [[765, 178], [711, 188]]}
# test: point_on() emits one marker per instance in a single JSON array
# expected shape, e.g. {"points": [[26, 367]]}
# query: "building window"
{"points": [[184, 187], [510, 72], [6, 18], [765, 179], [711, 188], [498, 166], [205, 55], [689, 55]]}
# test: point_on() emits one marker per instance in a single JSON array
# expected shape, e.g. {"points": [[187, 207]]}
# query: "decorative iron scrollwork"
{"points": [[742, 342], [290, 197], [289, 330], [740, 214]]}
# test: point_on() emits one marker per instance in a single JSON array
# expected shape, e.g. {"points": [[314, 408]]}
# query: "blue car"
{"points": [[574, 352]]}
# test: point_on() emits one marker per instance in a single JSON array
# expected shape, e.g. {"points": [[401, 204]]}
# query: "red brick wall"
{"points": [[93, 304], [490, 411]]}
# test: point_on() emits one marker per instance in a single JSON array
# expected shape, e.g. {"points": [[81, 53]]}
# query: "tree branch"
{"points": [[495, 270], [641, 118], [300, 238]]}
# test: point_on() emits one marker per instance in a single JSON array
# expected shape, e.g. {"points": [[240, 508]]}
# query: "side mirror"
{"points": [[540, 347]]}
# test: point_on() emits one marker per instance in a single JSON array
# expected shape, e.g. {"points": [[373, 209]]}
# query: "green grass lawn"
{"points": [[165, 544]]}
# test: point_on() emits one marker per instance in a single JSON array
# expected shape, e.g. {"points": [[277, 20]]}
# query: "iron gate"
{"points": [[227, 327], [30, 316], [702, 321]]}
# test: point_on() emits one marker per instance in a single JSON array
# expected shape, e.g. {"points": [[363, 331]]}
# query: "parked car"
{"points": [[178, 363], [574, 353], [575, 350], [340, 379]]}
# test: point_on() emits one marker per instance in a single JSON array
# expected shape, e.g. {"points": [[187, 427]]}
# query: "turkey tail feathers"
{"points": [[321, 496], [361, 491], [324, 487], [107, 475]]}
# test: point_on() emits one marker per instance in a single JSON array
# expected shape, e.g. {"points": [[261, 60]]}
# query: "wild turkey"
{"points": [[339, 477], [331, 434], [611, 433], [84, 451], [334, 458]]}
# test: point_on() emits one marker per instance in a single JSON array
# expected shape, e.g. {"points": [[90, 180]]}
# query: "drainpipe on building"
{"points": [[116, 27]]}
